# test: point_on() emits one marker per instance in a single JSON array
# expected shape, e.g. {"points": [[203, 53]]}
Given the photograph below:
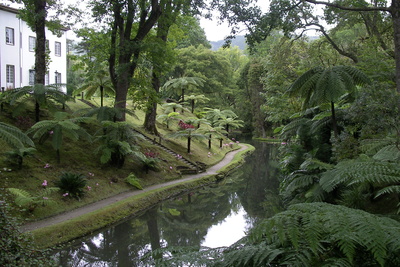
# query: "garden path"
{"points": [[105, 202]]}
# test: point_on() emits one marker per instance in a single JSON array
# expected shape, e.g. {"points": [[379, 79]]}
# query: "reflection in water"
{"points": [[213, 216]]}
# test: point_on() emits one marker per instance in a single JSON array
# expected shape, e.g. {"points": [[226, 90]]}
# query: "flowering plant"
{"points": [[184, 125]]}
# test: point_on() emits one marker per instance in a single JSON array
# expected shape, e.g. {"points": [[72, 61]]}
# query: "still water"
{"points": [[212, 216]]}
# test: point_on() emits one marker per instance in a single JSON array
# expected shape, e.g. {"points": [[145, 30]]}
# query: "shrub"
{"points": [[72, 183], [17, 249]]}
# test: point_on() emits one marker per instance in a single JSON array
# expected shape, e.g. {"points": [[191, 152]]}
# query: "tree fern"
{"points": [[319, 229]]}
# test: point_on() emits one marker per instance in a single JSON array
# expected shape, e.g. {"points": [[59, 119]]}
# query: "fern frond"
{"points": [[360, 171], [134, 181], [316, 228], [14, 136], [388, 190]]}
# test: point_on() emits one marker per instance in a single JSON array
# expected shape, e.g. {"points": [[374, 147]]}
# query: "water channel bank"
{"points": [[86, 220], [215, 215]]}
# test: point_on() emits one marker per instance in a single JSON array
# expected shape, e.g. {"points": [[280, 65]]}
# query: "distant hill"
{"points": [[239, 41]]}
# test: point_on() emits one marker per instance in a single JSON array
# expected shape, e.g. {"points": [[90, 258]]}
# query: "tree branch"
{"points": [[384, 9], [334, 45]]}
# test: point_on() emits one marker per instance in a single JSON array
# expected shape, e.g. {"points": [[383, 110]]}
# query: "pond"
{"points": [[213, 216]]}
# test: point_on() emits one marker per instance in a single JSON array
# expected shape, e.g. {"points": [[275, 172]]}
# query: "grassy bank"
{"points": [[88, 223], [103, 180]]}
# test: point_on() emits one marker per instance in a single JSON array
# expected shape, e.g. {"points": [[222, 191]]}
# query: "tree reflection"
{"points": [[185, 220]]}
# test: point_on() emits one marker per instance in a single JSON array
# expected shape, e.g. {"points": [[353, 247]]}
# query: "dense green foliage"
{"points": [[72, 184]]}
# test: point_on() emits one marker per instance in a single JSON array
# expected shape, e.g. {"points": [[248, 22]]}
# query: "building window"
{"points": [[32, 77], [57, 77], [9, 36], [10, 76], [32, 43], [57, 49], [46, 79]]}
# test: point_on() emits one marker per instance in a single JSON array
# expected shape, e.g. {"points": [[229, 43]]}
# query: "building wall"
{"points": [[20, 56]]}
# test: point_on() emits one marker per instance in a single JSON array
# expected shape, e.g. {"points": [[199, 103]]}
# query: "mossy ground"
{"points": [[80, 157]]}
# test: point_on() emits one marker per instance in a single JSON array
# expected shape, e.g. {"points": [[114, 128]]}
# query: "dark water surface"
{"points": [[212, 216]]}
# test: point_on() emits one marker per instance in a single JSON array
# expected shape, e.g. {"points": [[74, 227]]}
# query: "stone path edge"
{"points": [[51, 231]]}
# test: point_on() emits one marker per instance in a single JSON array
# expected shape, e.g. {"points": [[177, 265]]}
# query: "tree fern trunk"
{"points": [[101, 95], [334, 123], [188, 144], [58, 156], [37, 111], [209, 142]]}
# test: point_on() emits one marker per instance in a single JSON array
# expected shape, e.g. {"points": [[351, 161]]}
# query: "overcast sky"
{"points": [[214, 31]]}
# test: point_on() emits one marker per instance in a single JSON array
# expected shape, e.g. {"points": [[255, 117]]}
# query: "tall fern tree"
{"points": [[57, 129], [100, 82], [41, 95], [326, 85], [179, 85]]}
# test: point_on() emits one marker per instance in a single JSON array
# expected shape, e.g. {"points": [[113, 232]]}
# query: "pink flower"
{"points": [[51, 132], [170, 167], [44, 183], [283, 143], [97, 184], [45, 198], [91, 174], [66, 194], [88, 188], [46, 166]]}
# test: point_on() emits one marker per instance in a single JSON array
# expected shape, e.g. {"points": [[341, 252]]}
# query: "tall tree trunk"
{"points": [[188, 144], [127, 48], [395, 12], [209, 142], [164, 23], [40, 50], [151, 112]]}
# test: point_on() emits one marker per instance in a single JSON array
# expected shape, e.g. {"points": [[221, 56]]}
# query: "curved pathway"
{"points": [[105, 202]]}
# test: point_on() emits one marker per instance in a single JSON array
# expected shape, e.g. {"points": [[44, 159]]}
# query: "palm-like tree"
{"points": [[193, 99], [58, 128], [189, 134], [40, 95], [197, 121], [230, 123], [326, 85], [214, 115], [116, 139], [179, 85], [218, 132], [172, 107], [167, 118], [98, 81]]}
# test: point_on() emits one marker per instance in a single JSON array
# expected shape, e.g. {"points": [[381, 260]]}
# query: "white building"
{"points": [[17, 52]]}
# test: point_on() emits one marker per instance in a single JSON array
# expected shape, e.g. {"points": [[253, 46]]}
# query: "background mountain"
{"points": [[239, 41]]}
